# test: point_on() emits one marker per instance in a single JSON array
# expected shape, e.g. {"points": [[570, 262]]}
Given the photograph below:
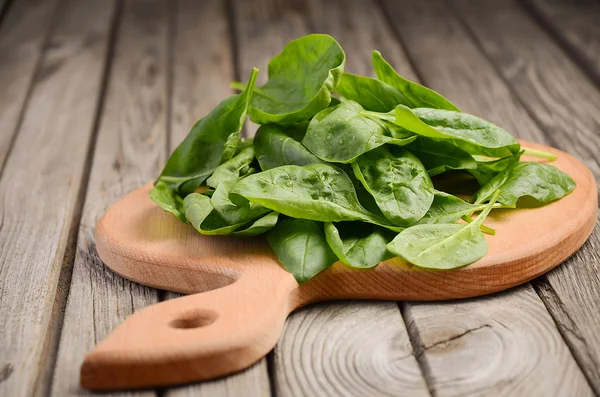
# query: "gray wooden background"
{"points": [[94, 94]]}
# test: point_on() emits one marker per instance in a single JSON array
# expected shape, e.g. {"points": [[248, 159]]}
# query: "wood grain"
{"points": [[564, 101], [39, 191], [450, 61], [574, 24], [130, 149], [23, 31], [347, 349], [262, 29], [203, 67]]}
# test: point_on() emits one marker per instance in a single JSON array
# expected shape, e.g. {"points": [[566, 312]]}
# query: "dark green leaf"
{"points": [[418, 95], [319, 192], [439, 156], [301, 80], [468, 132], [398, 182], [543, 182], [301, 247], [359, 245], [275, 148], [447, 208], [208, 144], [341, 134], [487, 169], [370, 93], [231, 213]]}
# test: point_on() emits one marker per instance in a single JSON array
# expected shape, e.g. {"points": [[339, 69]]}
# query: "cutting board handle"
{"points": [[195, 337]]}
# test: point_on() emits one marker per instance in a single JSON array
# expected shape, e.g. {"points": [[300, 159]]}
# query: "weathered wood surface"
{"points": [[129, 151], [565, 103], [22, 34], [262, 28], [40, 193], [202, 70], [449, 61], [575, 25], [518, 77]]}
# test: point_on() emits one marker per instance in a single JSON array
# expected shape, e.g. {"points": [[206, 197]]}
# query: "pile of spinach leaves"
{"points": [[348, 177]]}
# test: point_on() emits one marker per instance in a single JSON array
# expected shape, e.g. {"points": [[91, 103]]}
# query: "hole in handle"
{"points": [[195, 319]]}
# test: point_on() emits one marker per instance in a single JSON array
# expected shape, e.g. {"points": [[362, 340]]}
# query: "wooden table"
{"points": [[94, 94]]}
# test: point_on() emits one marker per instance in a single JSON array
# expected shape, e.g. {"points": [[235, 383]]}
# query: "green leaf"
{"points": [[463, 130], [275, 148], [487, 169], [370, 93], [208, 144], [418, 95], [301, 247], [168, 200], [201, 214], [340, 134], [542, 182], [259, 226], [398, 182], [358, 245], [301, 80], [439, 156], [231, 213], [319, 192], [447, 208], [232, 170], [443, 246]]}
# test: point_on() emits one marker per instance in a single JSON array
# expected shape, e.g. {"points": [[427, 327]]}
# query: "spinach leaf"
{"points": [[168, 200], [231, 213], [275, 148], [439, 156], [232, 170], [301, 80], [208, 144], [467, 132], [301, 247], [398, 182], [418, 95], [340, 134], [319, 192], [259, 226], [447, 208], [201, 214], [542, 182], [487, 169], [370, 93], [358, 245], [443, 246]]}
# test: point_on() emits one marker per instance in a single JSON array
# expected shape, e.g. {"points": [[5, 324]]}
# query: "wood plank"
{"points": [[40, 191], [130, 149], [575, 25], [23, 30], [493, 344], [564, 101], [343, 350], [203, 67]]}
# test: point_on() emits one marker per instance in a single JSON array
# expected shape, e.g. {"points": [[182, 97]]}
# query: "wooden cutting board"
{"points": [[241, 296]]}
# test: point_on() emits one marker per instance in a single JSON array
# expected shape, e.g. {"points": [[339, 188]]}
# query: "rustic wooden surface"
{"points": [[84, 118]]}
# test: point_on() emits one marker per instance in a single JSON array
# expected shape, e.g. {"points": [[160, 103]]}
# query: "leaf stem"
{"points": [[238, 85], [539, 153], [484, 228]]}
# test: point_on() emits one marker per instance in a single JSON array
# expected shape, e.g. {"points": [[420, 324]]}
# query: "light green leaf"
{"points": [[168, 200]]}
